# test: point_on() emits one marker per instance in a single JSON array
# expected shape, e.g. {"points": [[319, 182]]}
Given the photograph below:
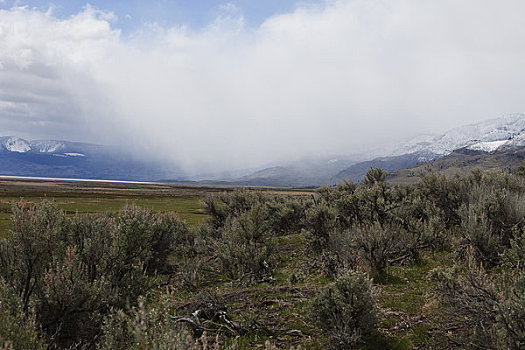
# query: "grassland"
{"points": [[86, 198], [95, 197]]}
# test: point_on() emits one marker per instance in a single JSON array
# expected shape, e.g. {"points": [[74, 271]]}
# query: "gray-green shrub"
{"points": [[491, 307], [320, 221], [345, 311], [146, 326], [245, 246], [72, 270], [18, 327]]}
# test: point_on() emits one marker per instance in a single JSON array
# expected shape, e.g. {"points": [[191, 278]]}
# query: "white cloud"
{"points": [[326, 79]]}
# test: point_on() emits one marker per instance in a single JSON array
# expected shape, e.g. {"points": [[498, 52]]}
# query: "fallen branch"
{"points": [[215, 319]]}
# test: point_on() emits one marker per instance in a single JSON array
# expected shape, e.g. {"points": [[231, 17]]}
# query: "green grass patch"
{"points": [[408, 303], [187, 208]]}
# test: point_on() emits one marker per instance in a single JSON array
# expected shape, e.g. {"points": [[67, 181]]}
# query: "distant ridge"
{"points": [[462, 162], [75, 160], [502, 137]]}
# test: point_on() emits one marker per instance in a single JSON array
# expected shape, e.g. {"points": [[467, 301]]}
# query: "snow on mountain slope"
{"points": [[515, 142], [487, 146], [19, 145], [499, 129], [47, 146], [487, 136], [14, 144], [419, 144], [74, 154]]}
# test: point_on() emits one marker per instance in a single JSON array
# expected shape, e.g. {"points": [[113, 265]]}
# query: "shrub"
{"points": [[327, 193], [435, 234], [373, 203], [284, 214], [230, 204], [320, 221], [378, 244], [348, 210], [287, 214], [515, 255], [68, 303], [18, 329], [375, 246], [491, 307], [147, 326], [374, 176], [364, 204], [244, 247], [38, 233], [479, 240], [345, 311], [512, 319], [520, 170], [340, 254], [442, 193], [74, 270], [489, 220]]}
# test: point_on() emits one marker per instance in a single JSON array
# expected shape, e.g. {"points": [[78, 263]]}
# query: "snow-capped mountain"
{"points": [[19, 145], [494, 135], [48, 146], [486, 136], [64, 159], [14, 144]]}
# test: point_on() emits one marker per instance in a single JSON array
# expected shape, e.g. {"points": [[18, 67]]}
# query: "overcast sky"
{"points": [[237, 84]]}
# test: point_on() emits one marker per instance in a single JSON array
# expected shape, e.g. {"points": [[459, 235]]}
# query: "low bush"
{"points": [[287, 214], [490, 306], [18, 328], [226, 205], [376, 245], [72, 270], [340, 254], [320, 222], [346, 311], [479, 241], [146, 326], [245, 248], [443, 193]]}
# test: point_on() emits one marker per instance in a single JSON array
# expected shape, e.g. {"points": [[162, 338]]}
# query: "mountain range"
{"points": [[505, 135], [63, 159], [488, 144]]}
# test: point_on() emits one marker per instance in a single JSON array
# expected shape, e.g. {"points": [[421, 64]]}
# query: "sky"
{"points": [[219, 85], [193, 13]]}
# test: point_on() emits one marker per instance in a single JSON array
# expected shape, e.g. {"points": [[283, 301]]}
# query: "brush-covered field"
{"points": [[432, 265], [89, 198], [188, 208]]}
